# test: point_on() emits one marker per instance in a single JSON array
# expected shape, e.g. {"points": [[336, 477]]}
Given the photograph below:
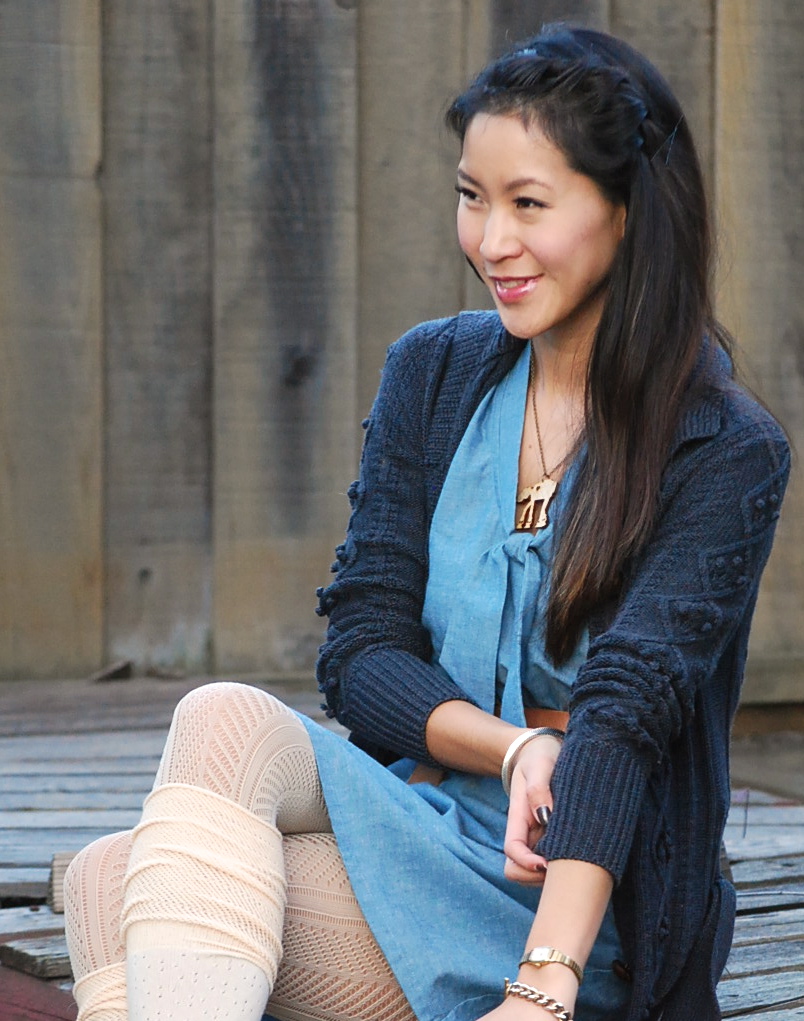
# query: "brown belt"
{"points": [[554, 718], [534, 718]]}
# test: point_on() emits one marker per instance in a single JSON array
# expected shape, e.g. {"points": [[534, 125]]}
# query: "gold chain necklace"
{"points": [[541, 493]]}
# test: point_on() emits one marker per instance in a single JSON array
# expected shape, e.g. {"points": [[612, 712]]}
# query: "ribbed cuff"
{"points": [[597, 796], [389, 696]]}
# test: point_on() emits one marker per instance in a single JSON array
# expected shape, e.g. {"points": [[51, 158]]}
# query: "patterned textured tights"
{"points": [[178, 920]]}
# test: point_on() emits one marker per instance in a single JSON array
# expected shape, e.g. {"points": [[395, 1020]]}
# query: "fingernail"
{"points": [[543, 814]]}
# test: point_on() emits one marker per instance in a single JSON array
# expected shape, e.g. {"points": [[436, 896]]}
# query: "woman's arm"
{"points": [[461, 736], [571, 910], [375, 666], [694, 586], [690, 595]]}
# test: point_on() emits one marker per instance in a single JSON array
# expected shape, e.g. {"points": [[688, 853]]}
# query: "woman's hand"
{"points": [[530, 790]]}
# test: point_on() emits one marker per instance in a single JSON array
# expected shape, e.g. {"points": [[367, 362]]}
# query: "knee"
{"points": [[107, 852], [240, 705], [216, 733], [96, 873]]}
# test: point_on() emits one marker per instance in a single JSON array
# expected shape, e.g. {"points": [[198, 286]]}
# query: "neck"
{"points": [[561, 370]]}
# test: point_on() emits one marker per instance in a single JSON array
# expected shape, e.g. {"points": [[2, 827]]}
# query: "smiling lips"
{"points": [[513, 289]]}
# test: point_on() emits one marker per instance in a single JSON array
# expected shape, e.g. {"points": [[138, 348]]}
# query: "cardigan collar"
{"points": [[701, 419]]}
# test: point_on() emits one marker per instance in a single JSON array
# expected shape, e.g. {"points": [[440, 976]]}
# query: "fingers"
{"points": [[529, 814], [522, 834], [526, 876], [521, 851]]}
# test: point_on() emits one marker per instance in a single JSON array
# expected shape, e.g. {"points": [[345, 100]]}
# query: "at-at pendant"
{"points": [[533, 497]]}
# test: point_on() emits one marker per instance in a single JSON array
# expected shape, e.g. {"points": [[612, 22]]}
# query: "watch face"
{"points": [[539, 955]]}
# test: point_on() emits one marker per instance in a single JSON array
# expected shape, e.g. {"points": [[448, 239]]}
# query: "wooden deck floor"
{"points": [[77, 758]]}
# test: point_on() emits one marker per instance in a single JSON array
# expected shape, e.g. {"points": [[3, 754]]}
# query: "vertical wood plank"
{"points": [[760, 187], [411, 269], [680, 39], [50, 339], [157, 187], [285, 286], [514, 20]]}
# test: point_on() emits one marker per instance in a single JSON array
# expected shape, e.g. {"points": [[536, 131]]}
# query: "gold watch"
{"points": [[549, 955]]}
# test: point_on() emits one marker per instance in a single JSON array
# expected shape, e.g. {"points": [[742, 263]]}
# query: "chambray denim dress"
{"points": [[426, 862]]}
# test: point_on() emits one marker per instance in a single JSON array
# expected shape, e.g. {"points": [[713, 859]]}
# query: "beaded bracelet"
{"points": [[516, 746], [539, 998]]}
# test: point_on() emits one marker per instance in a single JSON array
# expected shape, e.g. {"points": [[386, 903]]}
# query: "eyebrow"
{"points": [[520, 182]]}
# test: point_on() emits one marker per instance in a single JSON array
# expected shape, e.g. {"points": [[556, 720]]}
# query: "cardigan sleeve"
{"points": [[374, 667], [691, 593]]}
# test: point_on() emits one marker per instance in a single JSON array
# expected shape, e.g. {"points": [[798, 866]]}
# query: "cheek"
{"points": [[470, 233], [596, 245]]}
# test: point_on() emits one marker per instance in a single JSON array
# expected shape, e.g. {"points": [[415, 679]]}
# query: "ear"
{"points": [[620, 215]]}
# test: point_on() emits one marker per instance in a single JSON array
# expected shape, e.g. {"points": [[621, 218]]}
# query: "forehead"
{"points": [[508, 144]]}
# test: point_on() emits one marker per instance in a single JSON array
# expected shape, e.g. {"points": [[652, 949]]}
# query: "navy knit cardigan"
{"points": [[641, 786]]}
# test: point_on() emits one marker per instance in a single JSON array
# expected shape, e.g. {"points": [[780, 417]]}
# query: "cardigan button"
{"points": [[622, 971]]}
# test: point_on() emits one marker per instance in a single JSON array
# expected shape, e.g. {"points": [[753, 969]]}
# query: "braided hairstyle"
{"points": [[616, 120]]}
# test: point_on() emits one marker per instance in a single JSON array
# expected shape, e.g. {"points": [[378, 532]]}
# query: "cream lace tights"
{"points": [[233, 873]]}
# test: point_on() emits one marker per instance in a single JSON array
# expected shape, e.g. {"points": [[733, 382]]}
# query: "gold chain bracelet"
{"points": [[539, 998]]}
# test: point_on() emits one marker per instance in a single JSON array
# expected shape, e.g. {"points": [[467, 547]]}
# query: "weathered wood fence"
{"points": [[214, 217]]}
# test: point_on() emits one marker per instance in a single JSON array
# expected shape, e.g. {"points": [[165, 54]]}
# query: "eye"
{"points": [[467, 193], [528, 203]]}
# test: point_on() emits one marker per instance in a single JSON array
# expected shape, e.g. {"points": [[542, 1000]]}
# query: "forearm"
{"points": [[571, 909], [461, 736]]}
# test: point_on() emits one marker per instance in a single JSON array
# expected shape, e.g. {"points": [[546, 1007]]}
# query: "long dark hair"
{"points": [[616, 120]]}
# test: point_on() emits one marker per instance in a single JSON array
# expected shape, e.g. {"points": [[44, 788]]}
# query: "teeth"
{"points": [[511, 284]]}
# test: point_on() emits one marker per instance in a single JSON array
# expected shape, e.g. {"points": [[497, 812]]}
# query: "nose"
{"points": [[499, 237]]}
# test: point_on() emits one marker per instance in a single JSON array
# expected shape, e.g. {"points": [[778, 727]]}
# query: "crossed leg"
{"points": [[238, 760]]}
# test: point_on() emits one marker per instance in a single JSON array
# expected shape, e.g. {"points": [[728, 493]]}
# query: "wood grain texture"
{"points": [[740, 997], [42, 956], [515, 20], [411, 63], [37, 918], [285, 285], [50, 339], [158, 309], [764, 967], [760, 188], [274, 208], [788, 1013], [777, 925]]}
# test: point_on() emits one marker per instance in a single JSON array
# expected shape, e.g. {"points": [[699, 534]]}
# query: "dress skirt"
{"points": [[426, 862]]}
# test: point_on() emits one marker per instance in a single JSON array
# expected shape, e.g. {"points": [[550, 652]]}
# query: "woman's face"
{"points": [[542, 236]]}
